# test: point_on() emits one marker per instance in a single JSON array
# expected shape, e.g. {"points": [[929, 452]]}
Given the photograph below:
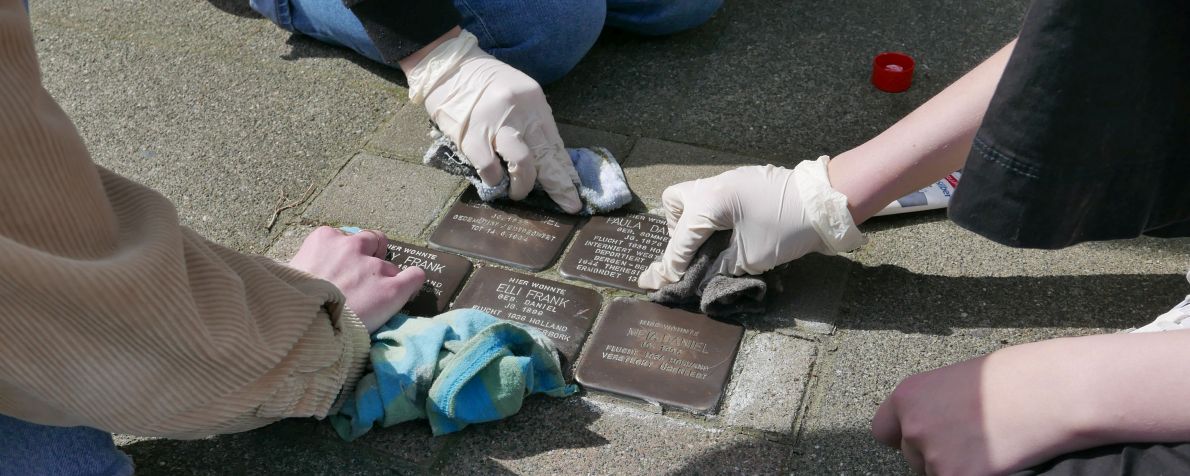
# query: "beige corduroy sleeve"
{"points": [[112, 315]]}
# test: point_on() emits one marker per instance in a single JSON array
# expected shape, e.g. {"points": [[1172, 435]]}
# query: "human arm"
{"points": [[777, 219], [117, 317], [1026, 404], [922, 147]]}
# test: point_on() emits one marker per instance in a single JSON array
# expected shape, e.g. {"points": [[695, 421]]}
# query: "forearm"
{"points": [[921, 148], [117, 317], [1107, 389]]}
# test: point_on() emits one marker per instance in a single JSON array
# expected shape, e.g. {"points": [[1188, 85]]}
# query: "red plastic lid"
{"points": [[892, 72]]}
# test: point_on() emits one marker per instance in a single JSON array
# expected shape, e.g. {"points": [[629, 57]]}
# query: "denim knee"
{"points": [[543, 38], [660, 17]]}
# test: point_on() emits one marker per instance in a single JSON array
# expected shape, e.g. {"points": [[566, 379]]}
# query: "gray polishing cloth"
{"points": [[719, 296]]}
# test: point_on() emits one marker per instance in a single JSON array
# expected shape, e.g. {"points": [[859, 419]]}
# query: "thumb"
{"points": [[886, 425], [691, 231]]}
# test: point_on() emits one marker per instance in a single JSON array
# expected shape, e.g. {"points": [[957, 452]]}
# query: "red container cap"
{"points": [[892, 72]]}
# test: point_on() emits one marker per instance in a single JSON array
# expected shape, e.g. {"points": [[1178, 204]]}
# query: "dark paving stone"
{"points": [[613, 251], [654, 353], [561, 311], [444, 274], [507, 234]]}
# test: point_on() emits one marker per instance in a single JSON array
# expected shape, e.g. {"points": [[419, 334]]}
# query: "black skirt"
{"points": [[1088, 134]]}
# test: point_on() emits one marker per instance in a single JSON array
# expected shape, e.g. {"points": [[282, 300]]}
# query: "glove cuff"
{"points": [[440, 63], [826, 207]]}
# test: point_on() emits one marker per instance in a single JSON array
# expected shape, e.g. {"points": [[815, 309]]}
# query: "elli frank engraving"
{"points": [[657, 354], [562, 312], [506, 234], [613, 251], [444, 275]]}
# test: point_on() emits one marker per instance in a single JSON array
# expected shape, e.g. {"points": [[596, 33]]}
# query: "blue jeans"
{"points": [[31, 449], [543, 38]]}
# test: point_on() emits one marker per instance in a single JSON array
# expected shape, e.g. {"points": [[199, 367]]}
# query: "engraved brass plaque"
{"points": [[614, 250], [444, 274], [561, 311], [658, 354], [504, 233]]}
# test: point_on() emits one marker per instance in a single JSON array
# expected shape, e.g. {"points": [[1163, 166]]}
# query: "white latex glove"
{"points": [[778, 215], [493, 111]]}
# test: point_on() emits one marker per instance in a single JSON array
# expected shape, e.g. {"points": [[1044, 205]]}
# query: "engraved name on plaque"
{"points": [[506, 234], [562, 312], [657, 354], [613, 251], [444, 275]]}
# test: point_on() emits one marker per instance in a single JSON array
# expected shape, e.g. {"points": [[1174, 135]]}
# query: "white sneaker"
{"points": [[1176, 319]]}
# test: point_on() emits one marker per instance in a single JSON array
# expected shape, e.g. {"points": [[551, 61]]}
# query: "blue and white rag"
{"points": [[458, 368]]}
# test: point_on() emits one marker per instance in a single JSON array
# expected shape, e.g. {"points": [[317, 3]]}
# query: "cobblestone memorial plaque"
{"points": [[507, 234], [562, 312], [613, 251], [444, 275], [657, 354]]}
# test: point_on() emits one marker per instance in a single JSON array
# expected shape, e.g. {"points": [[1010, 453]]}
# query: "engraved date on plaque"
{"points": [[613, 251], [506, 234]]}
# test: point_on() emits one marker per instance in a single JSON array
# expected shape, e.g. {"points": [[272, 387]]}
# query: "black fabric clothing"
{"points": [[1119, 460], [1088, 134], [399, 28]]}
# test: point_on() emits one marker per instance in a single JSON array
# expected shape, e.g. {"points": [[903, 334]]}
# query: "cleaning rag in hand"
{"points": [[454, 369], [601, 186], [716, 295]]}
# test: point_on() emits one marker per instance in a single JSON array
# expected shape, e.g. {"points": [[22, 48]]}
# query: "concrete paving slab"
{"points": [[578, 136], [396, 197], [769, 379], [586, 436], [214, 114], [926, 293], [304, 446], [404, 136], [289, 242], [654, 165], [805, 296], [782, 80]]}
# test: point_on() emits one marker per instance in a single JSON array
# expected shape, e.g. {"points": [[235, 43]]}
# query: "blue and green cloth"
{"points": [[458, 368]]}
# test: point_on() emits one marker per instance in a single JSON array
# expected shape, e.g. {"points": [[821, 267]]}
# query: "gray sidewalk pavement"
{"points": [[230, 117]]}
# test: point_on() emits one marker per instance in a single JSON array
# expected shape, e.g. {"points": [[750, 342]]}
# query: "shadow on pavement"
{"points": [[302, 47], [848, 451], [852, 296], [238, 8]]}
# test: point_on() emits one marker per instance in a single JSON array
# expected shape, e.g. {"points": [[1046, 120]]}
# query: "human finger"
{"points": [[481, 154], [673, 202], [370, 243], [405, 285], [886, 424], [691, 231], [511, 146], [555, 174]]}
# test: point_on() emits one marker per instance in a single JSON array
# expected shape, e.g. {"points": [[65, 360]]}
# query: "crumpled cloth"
{"points": [[602, 186], [716, 295], [458, 368]]}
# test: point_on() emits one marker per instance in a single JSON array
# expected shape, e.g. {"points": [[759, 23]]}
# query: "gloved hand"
{"points": [[778, 215], [493, 111]]}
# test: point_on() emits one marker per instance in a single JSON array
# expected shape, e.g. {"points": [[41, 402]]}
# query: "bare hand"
{"points": [[991, 415], [375, 289]]}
